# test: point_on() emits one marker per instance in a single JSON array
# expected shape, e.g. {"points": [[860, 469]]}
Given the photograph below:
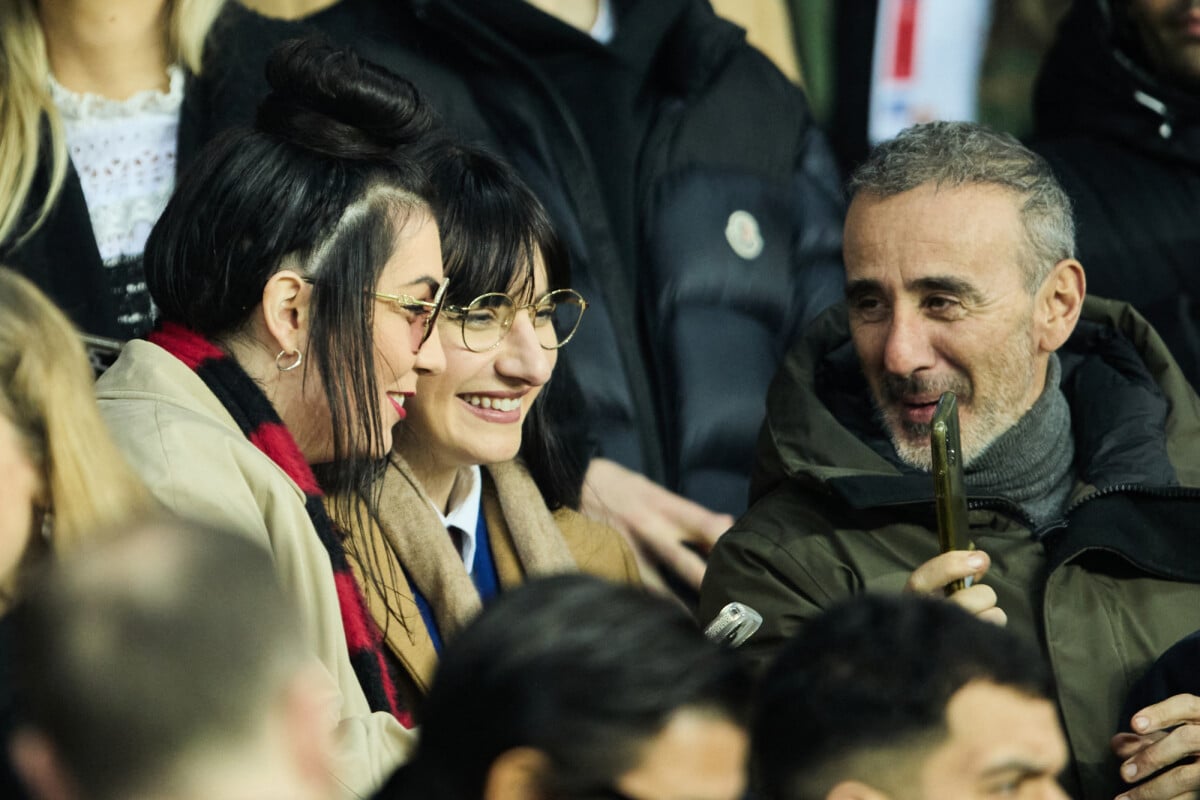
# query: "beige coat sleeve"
{"points": [[202, 468]]}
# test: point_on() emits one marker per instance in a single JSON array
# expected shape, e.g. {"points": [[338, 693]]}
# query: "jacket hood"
{"points": [[1093, 83], [1134, 415]]}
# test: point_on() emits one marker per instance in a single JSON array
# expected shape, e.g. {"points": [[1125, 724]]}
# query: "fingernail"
{"points": [[975, 562], [1129, 771], [1123, 797], [1141, 723]]}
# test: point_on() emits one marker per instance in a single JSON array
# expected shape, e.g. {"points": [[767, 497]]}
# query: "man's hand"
{"points": [[932, 578], [1165, 733], [658, 524]]}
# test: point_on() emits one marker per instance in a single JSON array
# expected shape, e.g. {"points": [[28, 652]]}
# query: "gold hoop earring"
{"points": [[279, 366]]}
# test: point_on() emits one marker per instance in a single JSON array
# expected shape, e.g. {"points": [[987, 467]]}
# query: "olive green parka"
{"points": [[1103, 591]]}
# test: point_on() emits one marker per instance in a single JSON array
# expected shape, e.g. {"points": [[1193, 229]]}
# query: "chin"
{"points": [[494, 455], [913, 450]]}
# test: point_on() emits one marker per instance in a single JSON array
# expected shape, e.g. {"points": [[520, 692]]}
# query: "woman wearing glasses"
{"points": [[461, 519], [297, 272]]}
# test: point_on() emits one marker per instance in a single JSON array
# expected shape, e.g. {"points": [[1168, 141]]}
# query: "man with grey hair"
{"points": [[1080, 436]]}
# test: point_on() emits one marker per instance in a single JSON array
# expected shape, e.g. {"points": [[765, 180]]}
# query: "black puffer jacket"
{"points": [[1126, 148], [698, 199]]}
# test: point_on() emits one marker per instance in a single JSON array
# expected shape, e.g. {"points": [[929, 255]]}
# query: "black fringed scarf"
{"points": [[258, 420]]}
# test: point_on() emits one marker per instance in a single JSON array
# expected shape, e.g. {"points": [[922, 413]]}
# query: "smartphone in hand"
{"points": [[949, 485]]}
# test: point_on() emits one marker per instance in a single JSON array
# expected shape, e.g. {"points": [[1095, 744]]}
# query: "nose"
{"points": [[907, 347], [522, 356], [431, 358]]}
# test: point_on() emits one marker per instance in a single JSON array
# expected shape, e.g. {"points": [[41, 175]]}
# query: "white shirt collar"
{"points": [[464, 510], [605, 27]]}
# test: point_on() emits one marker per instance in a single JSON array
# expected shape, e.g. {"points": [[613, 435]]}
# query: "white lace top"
{"points": [[124, 154]]}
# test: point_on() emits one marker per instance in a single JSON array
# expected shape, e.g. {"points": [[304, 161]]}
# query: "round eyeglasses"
{"points": [[425, 312], [488, 318], [421, 313]]}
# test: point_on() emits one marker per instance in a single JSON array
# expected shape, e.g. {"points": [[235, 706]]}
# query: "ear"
{"points": [[517, 774], [35, 760], [1058, 303], [855, 790], [285, 309]]}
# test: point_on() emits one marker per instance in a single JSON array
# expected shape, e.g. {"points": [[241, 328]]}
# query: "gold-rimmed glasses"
{"points": [[487, 319], [427, 309]]}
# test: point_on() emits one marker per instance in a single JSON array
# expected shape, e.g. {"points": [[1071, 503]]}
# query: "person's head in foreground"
{"points": [[571, 687], [960, 276], [307, 250], [167, 663], [906, 698], [508, 310], [62, 475]]}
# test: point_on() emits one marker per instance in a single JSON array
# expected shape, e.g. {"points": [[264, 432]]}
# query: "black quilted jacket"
{"points": [[698, 199]]}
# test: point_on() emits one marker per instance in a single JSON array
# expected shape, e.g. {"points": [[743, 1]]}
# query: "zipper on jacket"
{"points": [[1041, 531], [1137, 488]]}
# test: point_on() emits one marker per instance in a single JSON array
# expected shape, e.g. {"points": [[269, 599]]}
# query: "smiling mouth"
{"points": [[492, 403]]}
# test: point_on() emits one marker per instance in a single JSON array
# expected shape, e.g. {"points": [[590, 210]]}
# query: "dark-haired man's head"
{"points": [[571, 687], [167, 663], [910, 699]]}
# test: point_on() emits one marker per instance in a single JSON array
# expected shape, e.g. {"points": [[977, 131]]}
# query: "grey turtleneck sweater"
{"points": [[1032, 463]]}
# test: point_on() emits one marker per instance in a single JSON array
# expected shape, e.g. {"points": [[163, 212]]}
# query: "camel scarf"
{"points": [[259, 422], [419, 542]]}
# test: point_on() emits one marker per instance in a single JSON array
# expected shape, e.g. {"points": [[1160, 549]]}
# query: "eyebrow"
{"points": [[948, 283], [1023, 769], [934, 283], [426, 280]]}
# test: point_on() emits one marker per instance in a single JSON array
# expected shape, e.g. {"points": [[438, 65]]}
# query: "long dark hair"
{"points": [[492, 229], [583, 670], [335, 164]]}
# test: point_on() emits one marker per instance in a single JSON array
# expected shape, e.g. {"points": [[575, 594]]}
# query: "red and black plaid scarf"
{"points": [[258, 420]]}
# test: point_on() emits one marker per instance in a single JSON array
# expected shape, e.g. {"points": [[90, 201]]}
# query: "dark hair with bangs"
{"points": [[493, 228], [333, 168]]}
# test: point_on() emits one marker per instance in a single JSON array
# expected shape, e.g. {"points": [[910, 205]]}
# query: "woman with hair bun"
{"points": [[298, 276]]}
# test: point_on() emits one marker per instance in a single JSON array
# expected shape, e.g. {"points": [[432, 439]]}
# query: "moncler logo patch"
{"points": [[743, 235]]}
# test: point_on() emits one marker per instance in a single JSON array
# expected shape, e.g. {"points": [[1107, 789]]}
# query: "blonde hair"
{"points": [[47, 393], [25, 101]]}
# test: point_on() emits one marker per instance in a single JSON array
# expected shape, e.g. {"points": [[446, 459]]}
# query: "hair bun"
{"points": [[333, 102]]}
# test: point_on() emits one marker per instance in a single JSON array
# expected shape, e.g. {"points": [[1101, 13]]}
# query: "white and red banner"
{"points": [[927, 60]]}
